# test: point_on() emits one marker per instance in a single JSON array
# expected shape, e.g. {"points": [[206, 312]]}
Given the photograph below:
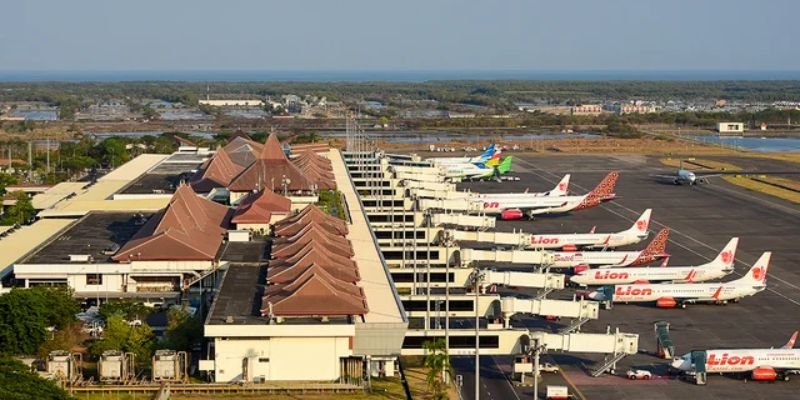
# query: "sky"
{"points": [[103, 35]]}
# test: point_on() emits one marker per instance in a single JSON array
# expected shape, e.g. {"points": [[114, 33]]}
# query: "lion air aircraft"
{"points": [[670, 295], [572, 241], [515, 208], [760, 364], [582, 260], [716, 269]]}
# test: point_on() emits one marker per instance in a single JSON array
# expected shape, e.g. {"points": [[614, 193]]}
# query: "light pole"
{"points": [[477, 336]]}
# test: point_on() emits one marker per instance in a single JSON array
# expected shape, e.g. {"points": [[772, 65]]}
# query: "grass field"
{"points": [[766, 188]]}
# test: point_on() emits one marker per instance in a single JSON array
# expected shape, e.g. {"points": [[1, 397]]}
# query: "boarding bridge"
{"points": [[521, 341], [664, 345], [532, 257], [581, 310], [494, 307], [479, 222], [463, 277], [616, 345], [436, 178], [388, 217], [412, 184], [447, 194], [463, 205]]}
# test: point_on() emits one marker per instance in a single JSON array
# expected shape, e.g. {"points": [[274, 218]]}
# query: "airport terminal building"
{"points": [[285, 284]]}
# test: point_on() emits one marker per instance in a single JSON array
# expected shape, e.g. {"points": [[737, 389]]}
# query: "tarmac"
{"points": [[702, 219]]}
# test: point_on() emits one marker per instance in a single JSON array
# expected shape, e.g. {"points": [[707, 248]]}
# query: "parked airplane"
{"points": [[516, 208], [582, 260], [684, 177], [478, 171], [721, 266], [429, 191], [670, 295], [760, 364], [491, 152], [573, 241]]}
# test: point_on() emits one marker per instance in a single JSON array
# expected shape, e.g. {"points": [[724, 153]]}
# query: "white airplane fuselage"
{"points": [[619, 276], [685, 292]]}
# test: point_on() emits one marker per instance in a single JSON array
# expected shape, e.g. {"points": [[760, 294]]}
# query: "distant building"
{"points": [[730, 127], [587, 109], [635, 109], [233, 103]]}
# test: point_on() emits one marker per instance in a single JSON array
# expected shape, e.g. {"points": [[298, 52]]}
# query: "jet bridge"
{"points": [[494, 307], [522, 341], [463, 221], [446, 194], [463, 277], [581, 310], [441, 186], [615, 345], [532, 257]]}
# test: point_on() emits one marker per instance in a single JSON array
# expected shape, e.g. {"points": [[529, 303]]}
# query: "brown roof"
{"points": [[269, 169], [311, 214], [315, 253], [288, 274], [315, 292], [242, 150], [190, 228], [258, 207], [290, 249], [318, 169], [216, 173]]}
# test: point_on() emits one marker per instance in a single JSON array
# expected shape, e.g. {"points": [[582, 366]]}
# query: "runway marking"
{"points": [[655, 222], [508, 381]]}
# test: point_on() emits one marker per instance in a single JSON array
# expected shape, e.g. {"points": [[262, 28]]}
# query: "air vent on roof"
{"points": [[229, 319], [80, 258]]}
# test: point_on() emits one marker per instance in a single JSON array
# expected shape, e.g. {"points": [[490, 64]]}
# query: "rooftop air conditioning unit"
{"points": [[80, 258]]}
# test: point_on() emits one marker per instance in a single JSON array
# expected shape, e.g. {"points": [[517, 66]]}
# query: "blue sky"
{"points": [[400, 35]]}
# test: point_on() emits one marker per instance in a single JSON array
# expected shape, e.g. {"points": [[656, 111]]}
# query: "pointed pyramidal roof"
{"points": [[217, 173], [190, 228], [269, 171]]}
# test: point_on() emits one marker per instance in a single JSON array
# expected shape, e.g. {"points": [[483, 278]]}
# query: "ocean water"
{"points": [[767, 144], [388, 75]]}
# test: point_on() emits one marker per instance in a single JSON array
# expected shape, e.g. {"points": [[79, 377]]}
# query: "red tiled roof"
{"points": [[312, 273], [288, 274], [318, 254], [190, 228], [216, 173], [269, 171], [242, 150], [309, 215], [317, 168], [314, 293], [258, 207]]}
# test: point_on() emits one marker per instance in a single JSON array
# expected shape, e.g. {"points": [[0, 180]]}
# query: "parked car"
{"points": [[547, 367], [639, 374]]}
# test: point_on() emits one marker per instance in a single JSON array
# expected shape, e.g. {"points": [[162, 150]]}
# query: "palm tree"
{"points": [[438, 363]]}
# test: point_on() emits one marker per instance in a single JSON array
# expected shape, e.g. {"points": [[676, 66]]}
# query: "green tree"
{"points": [[127, 309], [5, 181], [67, 338], [22, 324], [183, 329], [25, 315], [19, 213], [113, 152], [438, 363], [17, 382], [120, 335]]}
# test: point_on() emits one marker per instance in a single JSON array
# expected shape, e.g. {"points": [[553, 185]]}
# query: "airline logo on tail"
{"points": [[603, 192], [758, 273], [655, 249], [643, 222]]}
